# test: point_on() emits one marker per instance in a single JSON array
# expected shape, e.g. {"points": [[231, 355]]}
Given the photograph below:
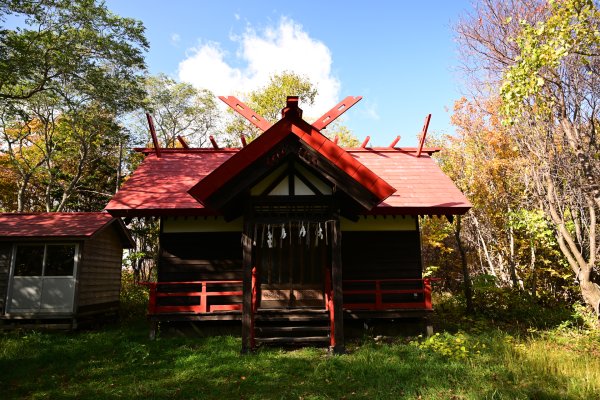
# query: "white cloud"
{"points": [[286, 47], [370, 110], [175, 39]]}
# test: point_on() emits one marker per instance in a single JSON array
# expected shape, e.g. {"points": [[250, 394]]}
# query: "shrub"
{"points": [[134, 297], [453, 346]]}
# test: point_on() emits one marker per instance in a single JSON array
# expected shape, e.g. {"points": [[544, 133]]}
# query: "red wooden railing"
{"points": [[375, 290], [379, 293], [204, 295]]}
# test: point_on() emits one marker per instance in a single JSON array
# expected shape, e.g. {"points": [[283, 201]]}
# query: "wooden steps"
{"points": [[292, 327]]}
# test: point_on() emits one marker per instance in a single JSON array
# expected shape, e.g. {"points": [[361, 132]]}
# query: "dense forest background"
{"points": [[74, 92]]}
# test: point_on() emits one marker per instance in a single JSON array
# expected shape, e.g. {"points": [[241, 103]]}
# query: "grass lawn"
{"points": [[120, 362]]}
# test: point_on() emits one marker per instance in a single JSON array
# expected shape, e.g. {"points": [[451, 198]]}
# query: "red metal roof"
{"points": [[61, 225], [160, 185]]}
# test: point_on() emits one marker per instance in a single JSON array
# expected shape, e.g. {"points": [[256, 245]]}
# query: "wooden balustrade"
{"points": [[204, 295], [376, 291], [422, 293]]}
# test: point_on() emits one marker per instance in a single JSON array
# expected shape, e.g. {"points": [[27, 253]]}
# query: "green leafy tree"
{"points": [[553, 87], [79, 41], [542, 57], [179, 109], [66, 75], [268, 102]]}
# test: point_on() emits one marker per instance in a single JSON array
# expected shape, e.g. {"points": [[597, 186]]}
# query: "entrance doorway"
{"points": [[291, 263]]}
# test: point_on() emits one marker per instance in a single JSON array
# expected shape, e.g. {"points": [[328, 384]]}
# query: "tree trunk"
{"points": [[591, 294], [467, 287], [511, 262]]}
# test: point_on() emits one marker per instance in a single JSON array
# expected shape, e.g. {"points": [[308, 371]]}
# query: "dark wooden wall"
{"points": [[5, 254], [200, 256], [381, 255], [100, 273]]}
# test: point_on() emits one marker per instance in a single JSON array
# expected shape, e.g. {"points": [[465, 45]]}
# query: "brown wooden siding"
{"points": [[100, 270], [381, 255], [5, 254], [200, 256]]}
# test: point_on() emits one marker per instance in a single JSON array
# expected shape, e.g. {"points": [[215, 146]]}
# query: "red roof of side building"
{"points": [[59, 225], [160, 185]]}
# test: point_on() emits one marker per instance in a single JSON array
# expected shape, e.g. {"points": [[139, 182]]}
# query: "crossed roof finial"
{"points": [[263, 124]]}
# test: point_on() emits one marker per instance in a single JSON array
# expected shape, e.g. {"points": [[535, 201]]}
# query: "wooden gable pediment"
{"points": [[291, 141]]}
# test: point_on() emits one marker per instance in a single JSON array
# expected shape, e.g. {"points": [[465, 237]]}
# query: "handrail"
{"points": [[379, 304], [188, 282], [204, 294]]}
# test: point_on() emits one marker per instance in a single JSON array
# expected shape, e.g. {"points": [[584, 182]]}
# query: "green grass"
{"points": [[120, 362]]}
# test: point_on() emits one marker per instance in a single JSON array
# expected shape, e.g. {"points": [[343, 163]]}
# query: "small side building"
{"points": [[57, 268]]}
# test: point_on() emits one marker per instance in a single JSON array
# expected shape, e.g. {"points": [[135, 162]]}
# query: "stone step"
{"points": [[292, 339]]}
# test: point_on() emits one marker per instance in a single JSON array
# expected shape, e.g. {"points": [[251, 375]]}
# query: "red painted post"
{"points": [[427, 293], [327, 288], [332, 341], [254, 290], [329, 306], [152, 300], [253, 308], [203, 299]]}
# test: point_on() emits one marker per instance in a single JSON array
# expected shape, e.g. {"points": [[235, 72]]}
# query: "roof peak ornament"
{"points": [[291, 109]]}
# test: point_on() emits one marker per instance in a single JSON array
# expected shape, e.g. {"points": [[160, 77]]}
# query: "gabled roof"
{"points": [[60, 225], [293, 126], [160, 186], [395, 181]]}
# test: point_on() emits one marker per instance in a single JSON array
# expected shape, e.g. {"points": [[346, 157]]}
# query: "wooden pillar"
{"points": [[247, 290], [336, 283]]}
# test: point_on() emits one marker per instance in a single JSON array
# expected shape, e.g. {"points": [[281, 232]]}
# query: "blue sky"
{"points": [[399, 55]]}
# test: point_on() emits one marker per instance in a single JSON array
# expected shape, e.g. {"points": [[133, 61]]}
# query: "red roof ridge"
{"points": [[378, 149]]}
